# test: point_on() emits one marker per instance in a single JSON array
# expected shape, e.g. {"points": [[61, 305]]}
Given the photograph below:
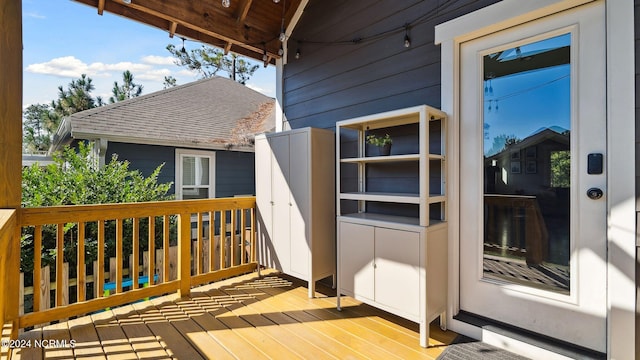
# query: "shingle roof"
{"points": [[210, 113]]}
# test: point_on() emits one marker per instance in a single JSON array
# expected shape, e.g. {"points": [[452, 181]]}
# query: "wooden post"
{"points": [[184, 254], [10, 156]]}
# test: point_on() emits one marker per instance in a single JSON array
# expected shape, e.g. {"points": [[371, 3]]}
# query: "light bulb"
{"points": [[298, 54], [281, 51], [282, 37], [226, 3], [407, 41], [276, 1]]}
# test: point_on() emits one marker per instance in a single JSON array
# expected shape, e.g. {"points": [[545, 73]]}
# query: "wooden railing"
{"points": [[149, 230], [9, 258]]}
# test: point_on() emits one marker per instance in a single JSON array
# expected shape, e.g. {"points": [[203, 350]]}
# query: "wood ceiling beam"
{"points": [[196, 18], [227, 48], [100, 7], [243, 11], [172, 29]]}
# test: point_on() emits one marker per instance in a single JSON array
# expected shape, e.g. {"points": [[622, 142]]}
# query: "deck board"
{"points": [[247, 317]]}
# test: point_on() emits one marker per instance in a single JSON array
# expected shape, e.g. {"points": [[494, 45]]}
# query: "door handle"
{"points": [[594, 193]]}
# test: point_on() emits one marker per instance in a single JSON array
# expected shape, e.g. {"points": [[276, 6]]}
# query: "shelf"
{"points": [[433, 199], [382, 159], [406, 198], [375, 219], [386, 218]]}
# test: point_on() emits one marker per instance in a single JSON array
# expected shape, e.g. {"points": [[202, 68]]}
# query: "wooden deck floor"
{"points": [[241, 318]]}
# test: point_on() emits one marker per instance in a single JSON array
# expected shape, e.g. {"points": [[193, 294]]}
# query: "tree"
{"points": [[127, 90], [76, 98], [74, 178], [169, 81], [40, 121], [207, 61]]}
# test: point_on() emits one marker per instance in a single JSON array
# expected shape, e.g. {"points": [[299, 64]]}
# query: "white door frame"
{"points": [[621, 222]]}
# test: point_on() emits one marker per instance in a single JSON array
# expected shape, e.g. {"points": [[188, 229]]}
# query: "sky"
{"points": [[63, 39]]}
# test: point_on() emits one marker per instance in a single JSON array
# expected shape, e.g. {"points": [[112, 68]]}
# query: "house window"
{"points": [[195, 174]]}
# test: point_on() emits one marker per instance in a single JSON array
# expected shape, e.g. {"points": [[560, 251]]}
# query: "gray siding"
{"points": [[235, 173], [332, 82], [146, 158]]}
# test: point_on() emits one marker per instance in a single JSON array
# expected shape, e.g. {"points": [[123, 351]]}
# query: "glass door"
{"points": [[533, 215]]}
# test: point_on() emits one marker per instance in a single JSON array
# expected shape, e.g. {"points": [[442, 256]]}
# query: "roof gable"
{"points": [[210, 113]]}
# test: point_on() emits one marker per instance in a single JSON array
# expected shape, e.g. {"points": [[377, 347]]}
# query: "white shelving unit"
{"points": [[391, 214]]}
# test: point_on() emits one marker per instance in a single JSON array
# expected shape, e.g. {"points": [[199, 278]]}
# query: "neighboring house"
{"points": [[202, 132], [346, 59]]}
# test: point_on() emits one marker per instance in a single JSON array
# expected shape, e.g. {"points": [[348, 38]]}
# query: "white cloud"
{"points": [[70, 66], [154, 75], [158, 60], [34, 15]]}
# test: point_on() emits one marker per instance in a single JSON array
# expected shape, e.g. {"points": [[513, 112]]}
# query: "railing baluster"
{"points": [[59, 263], [165, 242], [37, 265], [99, 277], [223, 238], [151, 270], [232, 239], [184, 254], [135, 243], [212, 233], [119, 253], [243, 231], [199, 252], [80, 271], [254, 252]]}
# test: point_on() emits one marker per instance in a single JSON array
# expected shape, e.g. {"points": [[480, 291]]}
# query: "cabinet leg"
{"points": [[424, 334], [312, 289], [443, 321], [338, 306]]}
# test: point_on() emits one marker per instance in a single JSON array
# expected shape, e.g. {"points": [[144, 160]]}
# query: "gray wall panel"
{"points": [[146, 158], [235, 173]]}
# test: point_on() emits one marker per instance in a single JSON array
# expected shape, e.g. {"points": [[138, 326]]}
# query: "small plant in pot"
{"points": [[383, 143]]}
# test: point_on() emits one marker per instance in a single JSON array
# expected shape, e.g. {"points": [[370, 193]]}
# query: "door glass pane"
{"points": [[527, 126]]}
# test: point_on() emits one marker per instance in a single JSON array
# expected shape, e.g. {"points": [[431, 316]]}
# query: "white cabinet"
{"points": [[295, 187], [391, 224]]}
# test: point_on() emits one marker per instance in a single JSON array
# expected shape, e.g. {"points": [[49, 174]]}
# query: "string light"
{"points": [[183, 50], [407, 40], [226, 3], [298, 54]]}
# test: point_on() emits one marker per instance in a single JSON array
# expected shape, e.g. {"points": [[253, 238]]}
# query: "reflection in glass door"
{"points": [[527, 164]]}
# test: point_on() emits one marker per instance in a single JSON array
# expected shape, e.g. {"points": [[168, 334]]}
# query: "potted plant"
{"points": [[382, 142]]}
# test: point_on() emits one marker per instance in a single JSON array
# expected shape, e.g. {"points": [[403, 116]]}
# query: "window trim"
{"points": [[180, 153]]}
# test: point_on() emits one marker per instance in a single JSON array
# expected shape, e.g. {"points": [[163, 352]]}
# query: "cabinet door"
{"points": [[397, 264], [264, 200], [356, 260], [299, 185], [281, 202]]}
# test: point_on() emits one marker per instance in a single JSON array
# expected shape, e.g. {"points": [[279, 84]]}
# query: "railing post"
{"points": [[184, 254], [9, 273]]}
